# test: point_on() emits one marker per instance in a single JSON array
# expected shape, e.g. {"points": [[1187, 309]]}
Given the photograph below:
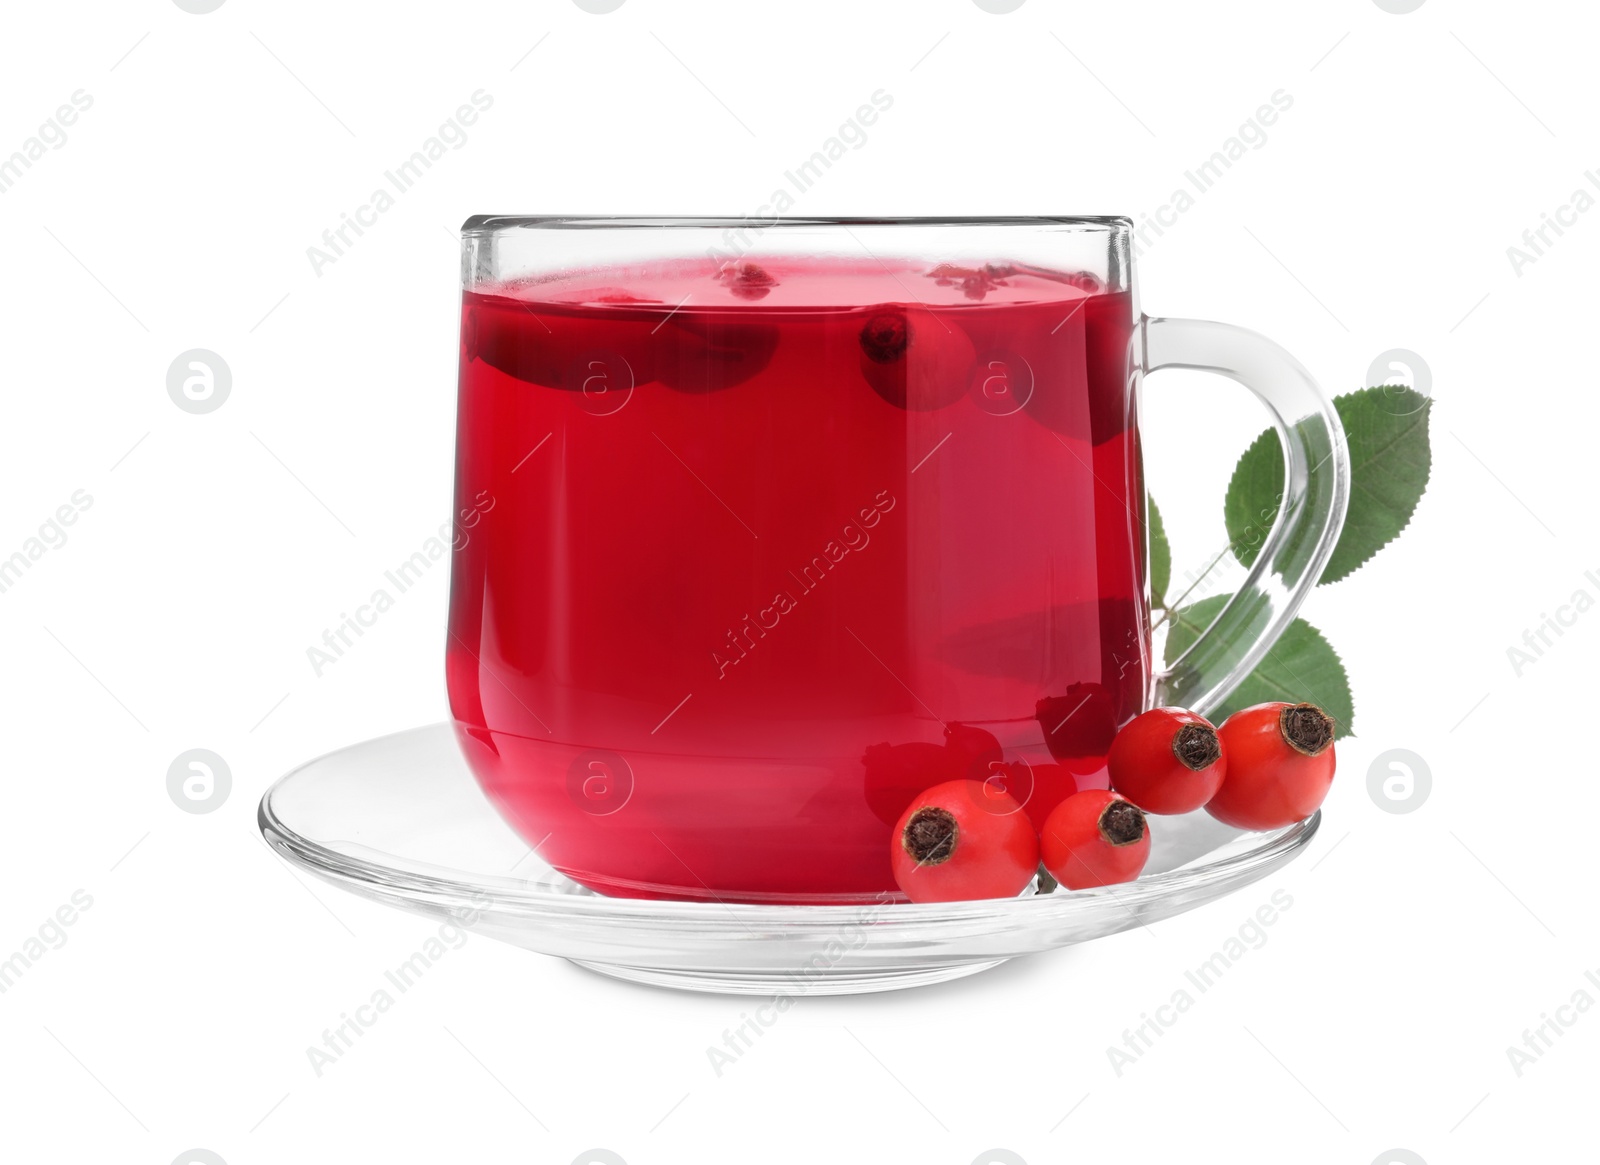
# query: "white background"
{"points": [[218, 547]]}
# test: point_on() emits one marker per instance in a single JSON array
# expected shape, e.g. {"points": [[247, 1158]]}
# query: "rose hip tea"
{"points": [[760, 548]]}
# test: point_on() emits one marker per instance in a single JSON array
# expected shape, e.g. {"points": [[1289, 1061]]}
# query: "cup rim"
{"points": [[488, 224]]}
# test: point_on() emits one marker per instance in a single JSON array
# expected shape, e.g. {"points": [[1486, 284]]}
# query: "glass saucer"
{"points": [[401, 820]]}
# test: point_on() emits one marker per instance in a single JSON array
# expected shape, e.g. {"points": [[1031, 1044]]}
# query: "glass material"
{"points": [[760, 528], [400, 820]]}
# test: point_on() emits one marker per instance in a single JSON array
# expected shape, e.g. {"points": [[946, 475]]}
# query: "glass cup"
{"points": [[765, 528]]}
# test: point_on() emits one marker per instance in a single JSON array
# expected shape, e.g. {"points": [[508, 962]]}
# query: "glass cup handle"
{"points": [[1308, 516]]}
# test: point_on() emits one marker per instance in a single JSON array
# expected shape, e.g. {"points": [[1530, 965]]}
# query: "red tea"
{"points": [[750, 553]]}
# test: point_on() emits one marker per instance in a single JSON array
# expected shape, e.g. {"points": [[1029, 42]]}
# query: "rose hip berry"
{"points": [[698, 355], [914, 359], [1080, 724], [1052, 784], [1167, 760], [884, 337], [895, 773], [1095, 838], [745, 279], [1280, 765], [975, 751], [959, 841]]}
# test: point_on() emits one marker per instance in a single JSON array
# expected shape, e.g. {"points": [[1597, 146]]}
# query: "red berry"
{"points": [[1095, 838], [1012, 778], [914, 358], [885, 336], [506, 334], [975, 752], [745, 279], [1052, 784], [963, 840], [1280, 765], [1167, 760], [1080, 723], [698, 355], [895, 773]]}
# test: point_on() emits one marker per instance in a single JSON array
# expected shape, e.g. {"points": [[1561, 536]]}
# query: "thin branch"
{"points": [[1173, 606]]}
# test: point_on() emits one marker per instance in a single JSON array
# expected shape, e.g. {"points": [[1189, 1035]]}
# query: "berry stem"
{"points": [[1047, 882]]}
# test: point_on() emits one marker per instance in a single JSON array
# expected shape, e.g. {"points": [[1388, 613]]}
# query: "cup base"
{"points": [[755, 982]]}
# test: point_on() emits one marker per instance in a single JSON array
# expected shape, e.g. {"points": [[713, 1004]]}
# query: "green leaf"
{"points": [[1390, 458], [1300, 667], [1160, 556], [1254, 492]]}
